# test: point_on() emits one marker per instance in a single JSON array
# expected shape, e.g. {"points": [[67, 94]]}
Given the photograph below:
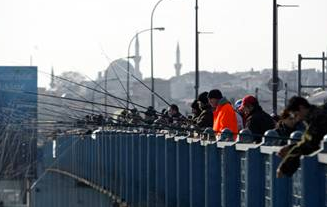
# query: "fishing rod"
{"points": [[99, 85], [105, 93], [84, 110], [87, 87], [74, 92], [115, 72], [152, 92], [79, 109]]}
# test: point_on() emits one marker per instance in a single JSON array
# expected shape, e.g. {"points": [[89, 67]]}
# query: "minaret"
{"points": [[52, 83], [178, 64], [137, 59]]}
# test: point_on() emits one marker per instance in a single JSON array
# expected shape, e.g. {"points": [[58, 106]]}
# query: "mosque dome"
{"points": [[119, 68]]}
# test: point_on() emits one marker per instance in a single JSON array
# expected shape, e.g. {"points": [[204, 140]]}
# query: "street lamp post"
{"points": [[128, 57], [151, 43], [275, 79], [196, 87]]}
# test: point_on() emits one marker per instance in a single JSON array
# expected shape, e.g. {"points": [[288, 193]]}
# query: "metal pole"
{"points": [[128, 57], [127, 101], [286, 94], [196, 87], [323, 70], [299, 59], [275, 55], [105, 97], [92, 102], [151, 44]]}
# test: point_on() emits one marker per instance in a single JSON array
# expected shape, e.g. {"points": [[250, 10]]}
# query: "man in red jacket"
{"points": [[223, 113]]}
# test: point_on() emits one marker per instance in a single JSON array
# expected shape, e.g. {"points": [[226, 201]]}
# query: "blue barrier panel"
{"points": [[112, 162], [322, 158], [230, 171], [135, 170], [123, 138], [108, 162], [196, 162], [251, 175], [129, 165], [212, 164], [160, 171], [143, 170], [93, 160], [87, 158], [183, 172], [297, 187], [105, 172], [277, 190], [102, 174], [117, 164], [151, 169], [170, 172], [308, 188], [96, 152]]}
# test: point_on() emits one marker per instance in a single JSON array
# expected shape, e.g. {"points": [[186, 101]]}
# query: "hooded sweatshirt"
{"points": [[224, 117]]}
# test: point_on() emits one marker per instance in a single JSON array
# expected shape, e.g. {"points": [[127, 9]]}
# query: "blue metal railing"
{"points": [[161, 170]]}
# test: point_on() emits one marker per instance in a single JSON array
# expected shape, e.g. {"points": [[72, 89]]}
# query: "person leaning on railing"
{"points": [[315, 119], [223, 113], [205, 118]]}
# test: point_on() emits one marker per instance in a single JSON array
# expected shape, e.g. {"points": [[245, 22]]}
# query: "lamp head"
{"points": [[159, 28]]}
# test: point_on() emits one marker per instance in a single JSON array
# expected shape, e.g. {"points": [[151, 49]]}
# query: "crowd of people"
{"points": [[246, 113], [214, 111]]}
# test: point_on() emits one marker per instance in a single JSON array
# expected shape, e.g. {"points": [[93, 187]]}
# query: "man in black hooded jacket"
{"points": [[315, 119], [257, 120]]}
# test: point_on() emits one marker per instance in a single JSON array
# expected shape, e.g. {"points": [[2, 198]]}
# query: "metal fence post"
{"points": [[151, 169], [230, 171], [170, 172], [212, 165], [183, 172], [196, 162], [160, 171]]}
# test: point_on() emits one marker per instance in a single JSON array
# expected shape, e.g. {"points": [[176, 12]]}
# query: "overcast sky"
{"points": [[69, 34]]}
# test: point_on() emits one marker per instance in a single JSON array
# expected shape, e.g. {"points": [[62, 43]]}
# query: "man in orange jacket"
{"points": [[223, 113]]}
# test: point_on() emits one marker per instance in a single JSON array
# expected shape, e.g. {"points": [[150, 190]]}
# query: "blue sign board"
{"points": [[18, 116]]}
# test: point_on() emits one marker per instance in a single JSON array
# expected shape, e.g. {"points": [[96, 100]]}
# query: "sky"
{"points": [[70, 35]]}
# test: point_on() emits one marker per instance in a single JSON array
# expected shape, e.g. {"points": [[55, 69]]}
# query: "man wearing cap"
{"points": [[223, 113], [257, 120]]}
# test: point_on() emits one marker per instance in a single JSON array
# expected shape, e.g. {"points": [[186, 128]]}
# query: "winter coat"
{"points": [[316, 122], [284, 132], [205, 119], [258, 122], [224, 117]]}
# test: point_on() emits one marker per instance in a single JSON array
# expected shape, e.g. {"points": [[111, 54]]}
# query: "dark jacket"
{"points": [[284, 132], [316, 129], [258, 122], [205, 119]]}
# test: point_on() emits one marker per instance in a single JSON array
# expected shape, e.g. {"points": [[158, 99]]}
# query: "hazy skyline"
{"points": [[69, 34]]}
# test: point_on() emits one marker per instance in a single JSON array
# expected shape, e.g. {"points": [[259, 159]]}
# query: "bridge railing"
{"points": [[139, 169]]}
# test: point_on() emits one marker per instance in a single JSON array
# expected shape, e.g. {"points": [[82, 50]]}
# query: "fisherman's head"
{"points": [[173, 110], [195, 108], [214, 96], [203, 100], [299, 107], [248, 104]]}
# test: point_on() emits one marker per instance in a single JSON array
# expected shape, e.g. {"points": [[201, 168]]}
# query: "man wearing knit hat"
{"points": [[223, 113], [205, 119]]}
